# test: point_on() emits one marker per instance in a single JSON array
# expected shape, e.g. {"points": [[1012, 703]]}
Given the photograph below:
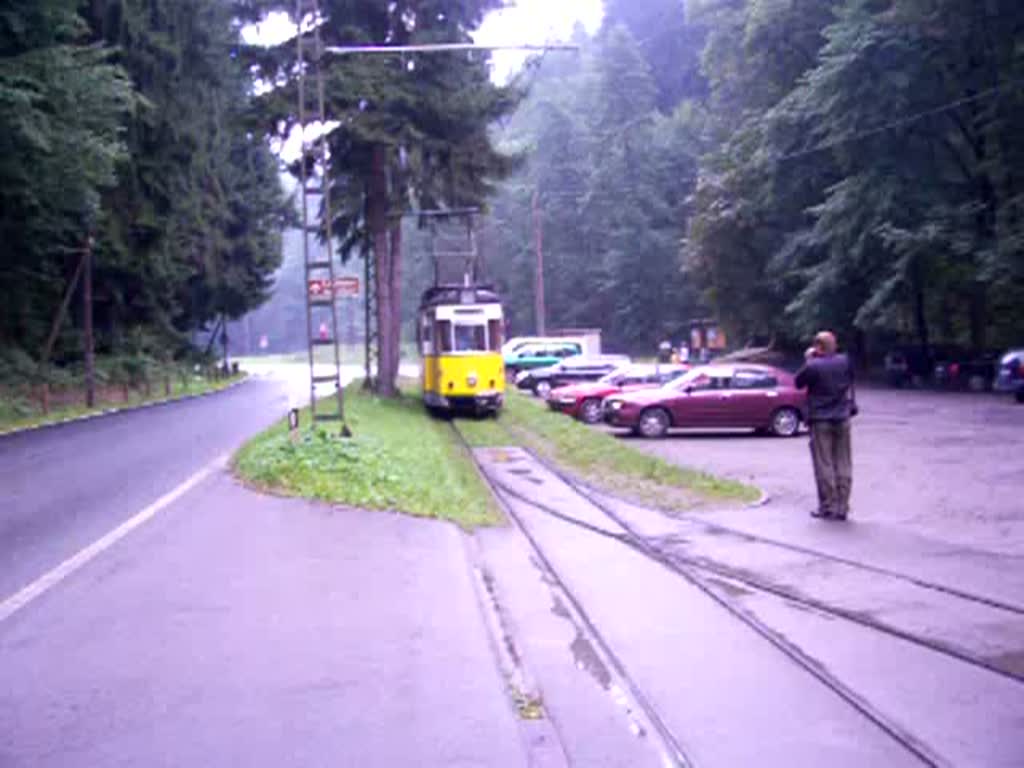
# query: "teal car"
{"points": [[540, 355]]}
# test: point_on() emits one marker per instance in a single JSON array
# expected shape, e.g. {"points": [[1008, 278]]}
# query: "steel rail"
{"points": [[792, 651], [689, 573], [672, 746]]}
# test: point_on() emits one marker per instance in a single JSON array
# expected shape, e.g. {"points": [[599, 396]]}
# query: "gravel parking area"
{"points": [[948, 465]]}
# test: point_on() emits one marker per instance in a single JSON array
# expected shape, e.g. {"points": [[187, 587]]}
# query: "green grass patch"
{"points": [[17, 413], [610, 463], [399, 459]]}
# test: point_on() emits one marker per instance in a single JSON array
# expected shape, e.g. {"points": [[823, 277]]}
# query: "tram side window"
{"points": [[443, 335], [426, 336], [494, 335], [470, 338]]}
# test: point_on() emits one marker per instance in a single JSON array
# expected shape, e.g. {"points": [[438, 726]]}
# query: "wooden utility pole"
{"points": [[87, 336], [538, 287]]}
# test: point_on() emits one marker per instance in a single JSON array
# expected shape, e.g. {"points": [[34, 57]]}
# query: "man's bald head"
{"points": [[825, 343]]}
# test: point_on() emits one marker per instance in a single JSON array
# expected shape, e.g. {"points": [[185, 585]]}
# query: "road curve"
{"points": [[68, 485]]}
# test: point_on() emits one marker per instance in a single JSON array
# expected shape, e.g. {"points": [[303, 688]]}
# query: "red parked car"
{"points": [[714, 396], [583, 401]]}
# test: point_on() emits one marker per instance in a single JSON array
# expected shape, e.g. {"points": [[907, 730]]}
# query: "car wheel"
{"points": [[785, 422], [590, 411], [1020, 395], [976, 383], [653, 422], [542, 389]]}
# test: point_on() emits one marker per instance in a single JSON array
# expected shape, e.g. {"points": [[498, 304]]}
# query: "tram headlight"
{"points": [[471, 379]]}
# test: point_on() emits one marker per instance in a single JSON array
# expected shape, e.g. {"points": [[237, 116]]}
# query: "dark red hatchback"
{"points": [[714, 397]]}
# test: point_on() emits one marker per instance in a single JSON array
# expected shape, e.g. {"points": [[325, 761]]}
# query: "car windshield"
{"points": [[690, 378], [616, 376]]}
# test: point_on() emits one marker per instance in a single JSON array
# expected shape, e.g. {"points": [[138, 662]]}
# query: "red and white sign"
{"points": [[343, 286]]}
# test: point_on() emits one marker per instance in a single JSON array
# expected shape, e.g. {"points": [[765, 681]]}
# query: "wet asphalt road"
{"points": [[947, 465], [232, 628], [236, 629], [64, 487]]}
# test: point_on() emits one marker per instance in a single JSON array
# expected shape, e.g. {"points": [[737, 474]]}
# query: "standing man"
{"points": [[828, 378]]}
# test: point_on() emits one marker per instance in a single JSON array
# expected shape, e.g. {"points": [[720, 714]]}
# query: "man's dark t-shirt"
{"points": [[828, 381]]}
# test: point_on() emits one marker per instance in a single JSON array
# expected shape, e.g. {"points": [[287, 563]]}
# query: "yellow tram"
{"points": [[460, 330]]}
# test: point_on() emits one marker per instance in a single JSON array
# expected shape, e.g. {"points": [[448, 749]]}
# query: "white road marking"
{"points": [[52, 578]]}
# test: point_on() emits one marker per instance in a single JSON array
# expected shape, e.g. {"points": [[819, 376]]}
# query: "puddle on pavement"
{"points": [[527, 474], [734, 590], [560, 610], [583, 653], [672, 540], [714, 530], [586, 658], [1012, 662]]}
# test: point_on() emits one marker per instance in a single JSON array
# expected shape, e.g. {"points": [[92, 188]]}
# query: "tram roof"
{"points": [[459, 294]]}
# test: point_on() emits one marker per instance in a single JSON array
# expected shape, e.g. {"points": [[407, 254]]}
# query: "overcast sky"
{"points": [[526, 21], [535, 21]]}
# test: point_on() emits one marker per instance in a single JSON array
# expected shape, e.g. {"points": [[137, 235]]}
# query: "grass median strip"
{"points": [[399, 459], [605, 461]]}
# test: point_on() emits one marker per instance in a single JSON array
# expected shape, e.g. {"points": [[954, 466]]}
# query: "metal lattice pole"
{"points": [[320, 272]]}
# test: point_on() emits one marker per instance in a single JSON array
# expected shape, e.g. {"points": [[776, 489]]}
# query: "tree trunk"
{"points": [[377, 219], [539, 311], [978, 314], [395, 278], [920, 316], [87, 339]]}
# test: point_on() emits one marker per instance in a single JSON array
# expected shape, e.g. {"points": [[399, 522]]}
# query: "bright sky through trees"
{"points": [[524, 21]]}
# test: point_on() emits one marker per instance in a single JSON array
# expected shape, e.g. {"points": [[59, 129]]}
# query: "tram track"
{"points": [[672, 750], [916, 581], [704, 576], [673, 560]]}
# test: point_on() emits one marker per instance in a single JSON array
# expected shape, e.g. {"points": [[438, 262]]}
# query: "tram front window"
{"points": [[470, 338]]}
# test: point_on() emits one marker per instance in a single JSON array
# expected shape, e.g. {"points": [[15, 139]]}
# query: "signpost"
{"points": [[344, 286]]}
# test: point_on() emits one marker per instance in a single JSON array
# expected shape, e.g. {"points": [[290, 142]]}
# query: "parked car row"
{"points": [[572, 370], [1010, 377], [528, 353], [947, 367], [739, 396], [652, 399], [585, 400]]}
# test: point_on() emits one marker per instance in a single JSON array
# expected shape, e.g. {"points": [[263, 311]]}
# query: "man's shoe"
{"points": [[822, 513]]}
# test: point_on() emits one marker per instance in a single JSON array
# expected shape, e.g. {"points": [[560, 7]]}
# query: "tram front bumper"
{"points": [[481, 401]]}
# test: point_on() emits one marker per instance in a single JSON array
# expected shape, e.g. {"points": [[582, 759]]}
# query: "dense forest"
{"points": [[778, 165], [128, 171], [854, 164]]}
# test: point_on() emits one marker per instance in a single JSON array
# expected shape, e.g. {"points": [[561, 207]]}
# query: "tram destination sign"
{"points": [[343, 286]]}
